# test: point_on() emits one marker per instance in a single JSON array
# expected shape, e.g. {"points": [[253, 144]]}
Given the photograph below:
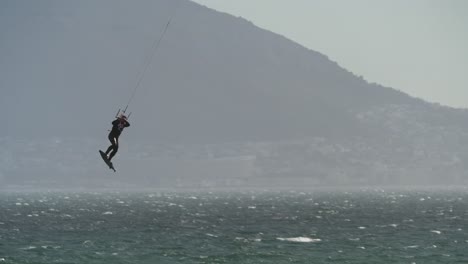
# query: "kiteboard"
{"points": [[104, 157]]}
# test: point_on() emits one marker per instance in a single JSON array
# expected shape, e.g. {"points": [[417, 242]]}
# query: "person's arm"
{"points": [[115, 122], [127, 124]]}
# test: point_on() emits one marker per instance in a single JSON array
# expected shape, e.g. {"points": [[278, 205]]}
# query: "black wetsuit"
{"points": [[117, 127]]}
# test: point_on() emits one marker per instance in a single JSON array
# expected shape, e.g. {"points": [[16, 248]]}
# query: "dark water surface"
{"points": [[367, 226]]}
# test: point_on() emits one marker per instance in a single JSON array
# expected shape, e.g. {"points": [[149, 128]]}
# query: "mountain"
{"points": [[67, 68]]}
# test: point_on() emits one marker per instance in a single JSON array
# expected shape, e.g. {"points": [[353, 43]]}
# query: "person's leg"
{"points": [[109, 149], [112, 140], [115, 148]]}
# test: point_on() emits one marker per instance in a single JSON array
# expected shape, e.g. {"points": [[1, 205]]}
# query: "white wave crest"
{"points": [[300, 239]]}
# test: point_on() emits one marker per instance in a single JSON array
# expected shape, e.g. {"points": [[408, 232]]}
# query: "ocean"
{"points": [[370, 225]]}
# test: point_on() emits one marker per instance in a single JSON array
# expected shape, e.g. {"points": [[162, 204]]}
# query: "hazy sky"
{"points": [[417, 46]]}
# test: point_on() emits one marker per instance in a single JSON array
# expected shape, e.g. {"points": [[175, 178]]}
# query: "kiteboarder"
{"points": [[117, 127]]}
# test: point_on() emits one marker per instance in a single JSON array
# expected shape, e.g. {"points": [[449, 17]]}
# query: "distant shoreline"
{"points": [[436, 188]]}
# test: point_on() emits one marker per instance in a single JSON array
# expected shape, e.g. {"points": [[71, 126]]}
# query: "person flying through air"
{"points": [[118, 126]]}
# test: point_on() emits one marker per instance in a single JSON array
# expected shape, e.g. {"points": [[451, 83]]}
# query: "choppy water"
{"points": [[371, 226]]}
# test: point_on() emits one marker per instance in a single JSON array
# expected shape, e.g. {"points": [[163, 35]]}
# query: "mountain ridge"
{"points": [[215, 75]]}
